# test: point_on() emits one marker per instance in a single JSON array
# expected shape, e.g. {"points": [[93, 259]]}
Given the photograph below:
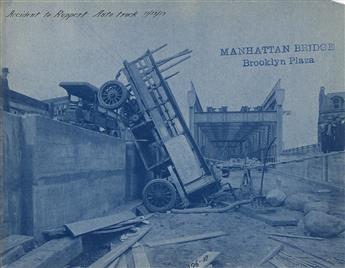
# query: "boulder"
{"points": [[320, 224], [297, 201], [275, 197], [318, 206]]}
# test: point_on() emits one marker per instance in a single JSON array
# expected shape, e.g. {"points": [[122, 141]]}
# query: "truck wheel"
{"points": [[159, 195], [112, 95]]}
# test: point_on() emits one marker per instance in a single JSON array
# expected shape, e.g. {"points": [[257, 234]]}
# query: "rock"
{"points": [[297, 201], [320, 224], [318, 206], [275, 197]]}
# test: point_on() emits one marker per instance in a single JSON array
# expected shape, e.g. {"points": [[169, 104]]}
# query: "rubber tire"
{"points": [[122, 100], [165, 208]]}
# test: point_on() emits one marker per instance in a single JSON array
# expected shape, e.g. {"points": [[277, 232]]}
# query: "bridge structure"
{"points": [[223, 134]]}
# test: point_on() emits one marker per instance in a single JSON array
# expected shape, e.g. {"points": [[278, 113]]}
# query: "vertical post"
{"points": [[306, 165], [279, 131], [191, 121], [191, 98], [325, 168]]}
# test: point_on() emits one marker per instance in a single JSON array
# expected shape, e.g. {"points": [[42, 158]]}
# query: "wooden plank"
{"points": [[114, 230], [142, 210], [54, 253], [273, 220], [277, 263], [139, 219], [120, 249], [204, 260], [298, 261], [140, 257], [87, 226], [12, 241], [270, 255], [114, 263], [185, 239], [295, 236], [122, 262], [11, 255]]}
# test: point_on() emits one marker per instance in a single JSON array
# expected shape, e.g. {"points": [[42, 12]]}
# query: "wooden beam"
{"points": [[270, 255], [295, 236], [140, 257], [277, 263], [185, 239], [122, 262], [108, 258], [54, 253], [113, 230], [12, 241]]}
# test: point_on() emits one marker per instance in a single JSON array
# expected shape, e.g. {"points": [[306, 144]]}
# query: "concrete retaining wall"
{"points": [[57, 173], [11, 202]]}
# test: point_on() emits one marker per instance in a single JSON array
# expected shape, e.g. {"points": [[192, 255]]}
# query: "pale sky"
{"points": [[42, 52]]}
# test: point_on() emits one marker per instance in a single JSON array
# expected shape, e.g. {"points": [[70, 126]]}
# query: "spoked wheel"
{"points": [[112, 94], [159, 195]]}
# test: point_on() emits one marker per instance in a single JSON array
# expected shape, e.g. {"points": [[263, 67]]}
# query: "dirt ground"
{"points": [[247, 241]]}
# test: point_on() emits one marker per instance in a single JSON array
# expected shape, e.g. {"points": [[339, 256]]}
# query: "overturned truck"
{"points": [[142, 98]]}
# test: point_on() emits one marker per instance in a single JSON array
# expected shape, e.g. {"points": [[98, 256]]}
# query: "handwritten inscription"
{"points": [[100, 14]]}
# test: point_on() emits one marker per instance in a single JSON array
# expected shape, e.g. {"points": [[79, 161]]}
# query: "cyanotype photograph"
{"points": [[171, 134]]}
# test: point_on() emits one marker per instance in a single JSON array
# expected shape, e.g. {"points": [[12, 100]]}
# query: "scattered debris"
{"points": [[295, 236], [270, 255], [297, 201], [55, 233], [323, 225], [277, 263], [128, 235], [88, 226], [185, 239], [317, 206], [140, 258], [278, 258], [275, 197], [299, 261], [211, 210], [205, 260], [271, 219], [302, 250], [120, 249]]}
